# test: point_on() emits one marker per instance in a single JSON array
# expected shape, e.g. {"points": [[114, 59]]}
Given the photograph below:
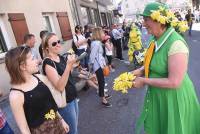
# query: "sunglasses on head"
{"points": [[55, 43], [23, 49]]}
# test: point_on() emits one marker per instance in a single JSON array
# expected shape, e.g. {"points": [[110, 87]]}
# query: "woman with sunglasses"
{"points": [[58, 71], [31, 101]]}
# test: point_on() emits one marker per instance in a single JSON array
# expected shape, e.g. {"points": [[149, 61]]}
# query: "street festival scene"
{"points": [[99, 67]]}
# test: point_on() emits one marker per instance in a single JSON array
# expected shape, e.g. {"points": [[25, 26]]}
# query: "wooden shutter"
{"points": [[19, 26], [65, 28]]}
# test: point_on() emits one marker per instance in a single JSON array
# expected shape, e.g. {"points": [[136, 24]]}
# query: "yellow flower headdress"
{"points": [[165, 16]]}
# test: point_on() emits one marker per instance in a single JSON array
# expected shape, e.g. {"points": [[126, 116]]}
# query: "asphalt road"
{"points": [[121, 118]]}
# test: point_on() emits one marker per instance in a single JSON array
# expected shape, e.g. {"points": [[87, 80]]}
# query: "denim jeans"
{"points": [[70, 115], [190, 29], [6, 129], [83, 62]]}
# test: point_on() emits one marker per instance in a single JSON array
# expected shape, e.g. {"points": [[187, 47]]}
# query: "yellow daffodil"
{"points": [[162, 20], [161, 8], [50, 115], [155, 14], [123, 82]]}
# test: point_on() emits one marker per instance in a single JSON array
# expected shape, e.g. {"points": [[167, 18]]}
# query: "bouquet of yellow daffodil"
{"points": [[123, 82], [165, 16], [135, 42]]}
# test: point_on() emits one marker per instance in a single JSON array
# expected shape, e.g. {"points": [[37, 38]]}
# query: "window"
{"points": [[3, 47], [95, 17], [85, 15], [47, 23], [74, 12], [64, 24], [104, 20], [110, 21]]}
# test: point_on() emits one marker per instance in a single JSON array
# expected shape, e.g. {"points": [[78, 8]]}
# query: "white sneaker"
{"points": [[112, 70], [106, 84]]}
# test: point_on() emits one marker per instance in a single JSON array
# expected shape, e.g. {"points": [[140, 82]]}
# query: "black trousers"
{"points": [[101, 81], [118, 48], [109, 57]]}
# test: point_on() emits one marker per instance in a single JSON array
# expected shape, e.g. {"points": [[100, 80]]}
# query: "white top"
{"points": [[80, 38], [108, 52]]}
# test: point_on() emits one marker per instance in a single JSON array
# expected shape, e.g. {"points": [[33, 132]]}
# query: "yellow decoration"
{"points": [[165, 16], [123, 82], [135, 42], [50, 115]]}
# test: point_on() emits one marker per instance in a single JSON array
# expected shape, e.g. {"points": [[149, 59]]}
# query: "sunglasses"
{"points": [[23, 47], [55, 43]]}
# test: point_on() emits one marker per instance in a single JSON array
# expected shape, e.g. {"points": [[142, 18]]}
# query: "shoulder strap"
{"points": [[51, 61], [76, 37], [17, 90]]}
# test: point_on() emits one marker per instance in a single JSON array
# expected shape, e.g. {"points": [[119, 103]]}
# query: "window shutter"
{"points": [[19, 26], [65, 28]]}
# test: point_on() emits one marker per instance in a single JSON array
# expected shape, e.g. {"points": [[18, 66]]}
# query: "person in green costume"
{"points": [[171, 105]]}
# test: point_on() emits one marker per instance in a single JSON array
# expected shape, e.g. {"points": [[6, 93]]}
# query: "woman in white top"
{"points": [[81, 44]]}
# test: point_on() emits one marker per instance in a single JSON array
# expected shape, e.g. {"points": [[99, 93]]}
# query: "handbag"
{"points": [[59, 96], [106, 71]]}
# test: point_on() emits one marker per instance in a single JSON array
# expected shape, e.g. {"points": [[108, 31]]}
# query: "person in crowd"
{"points": [[80, 74], [87, 34], [178, 16], [97, 62], [42, 34], [171, 105], [31, 101], [117, 41], [82, 45], [29, 40], [4, 126], [189, 18], [125, 37], [108, 49], [58, 71]]}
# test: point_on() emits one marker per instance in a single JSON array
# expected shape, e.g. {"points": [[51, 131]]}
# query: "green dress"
{"points": [[169, 111]]}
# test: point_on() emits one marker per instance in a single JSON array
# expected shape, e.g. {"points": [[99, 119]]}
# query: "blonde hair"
{"points": [[45, 42], [97, 33]]}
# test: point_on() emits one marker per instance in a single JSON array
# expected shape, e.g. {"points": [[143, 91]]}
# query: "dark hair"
{"points": [[78, 28], [13, 59], [45, 44], [42, 33], [28, 37]]}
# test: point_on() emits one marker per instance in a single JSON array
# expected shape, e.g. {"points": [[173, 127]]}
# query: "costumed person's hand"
{"points": [[138, 82], [137, 72], [65, 126]]}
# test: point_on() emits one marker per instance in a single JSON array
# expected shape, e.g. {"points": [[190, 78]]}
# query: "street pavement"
{"points": [[121, 118]]}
